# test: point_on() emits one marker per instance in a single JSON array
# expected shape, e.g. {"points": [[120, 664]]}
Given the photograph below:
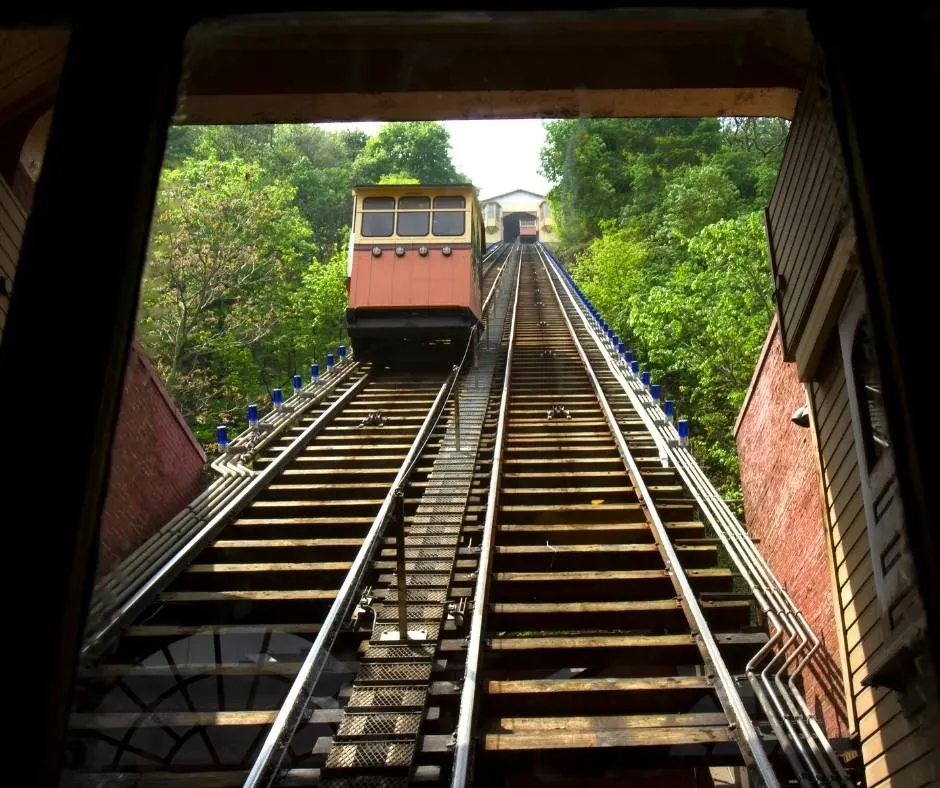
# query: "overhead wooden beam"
{"points": [[401, 66]]}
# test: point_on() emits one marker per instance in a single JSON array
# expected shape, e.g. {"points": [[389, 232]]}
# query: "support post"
{"points": [[398, 517], [77, 285]]}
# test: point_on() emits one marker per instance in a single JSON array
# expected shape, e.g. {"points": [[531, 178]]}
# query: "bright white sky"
{"points": [[497, 155]]}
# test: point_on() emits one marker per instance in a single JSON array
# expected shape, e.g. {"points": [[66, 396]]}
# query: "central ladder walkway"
{"points": [[378, 737]]}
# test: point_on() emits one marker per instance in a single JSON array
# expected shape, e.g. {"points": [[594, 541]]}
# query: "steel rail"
{"points": [[182, 558], [466, 716], [136, 569], [294, 406], [772, 598], [264, 770], [744, 731]]}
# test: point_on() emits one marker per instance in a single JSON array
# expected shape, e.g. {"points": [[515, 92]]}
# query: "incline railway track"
{"points": [[495, 579], [590, 665], [186, 684]]}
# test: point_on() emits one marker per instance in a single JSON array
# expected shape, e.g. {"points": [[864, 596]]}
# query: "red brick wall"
{"points": [[156, 464], [783, 510]]}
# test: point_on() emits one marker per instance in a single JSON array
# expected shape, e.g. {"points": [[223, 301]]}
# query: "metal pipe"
{"points": [[196, 543], [751, 744], [730, 539], [466, 716], [134, 571], [265, 768], [767, 590]]}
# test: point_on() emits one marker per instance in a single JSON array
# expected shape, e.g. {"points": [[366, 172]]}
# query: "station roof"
{"points": [[496, 197]]}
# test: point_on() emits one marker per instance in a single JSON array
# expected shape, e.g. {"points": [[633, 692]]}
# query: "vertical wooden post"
{"points": [[67, 339], [881, 73]]}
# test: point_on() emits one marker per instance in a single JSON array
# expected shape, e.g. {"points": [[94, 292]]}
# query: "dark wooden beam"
{"points": [[73, 317], [396, 66]]}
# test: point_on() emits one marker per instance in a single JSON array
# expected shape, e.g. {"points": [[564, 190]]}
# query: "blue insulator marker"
{"points": [[329, 361], [298, 384], [654, 391], [620, 349], [628, 356], [645, 378], [253, 416], [342, 352], [669, 408], [615, 340], [277, 398], [221, 437], [314, 373], [683, 427], [635, 367]]}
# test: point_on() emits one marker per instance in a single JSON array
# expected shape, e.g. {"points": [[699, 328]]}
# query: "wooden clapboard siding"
{"points": [[806, 214], [895, 747], [12, 224]]}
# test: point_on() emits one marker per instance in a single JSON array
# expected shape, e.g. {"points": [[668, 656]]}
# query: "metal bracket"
{"points": [[375, 419], [457, 611], [364, 605]]}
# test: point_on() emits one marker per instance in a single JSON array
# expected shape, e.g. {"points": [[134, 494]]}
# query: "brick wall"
{"points": [[783, 510], [156, 464]]}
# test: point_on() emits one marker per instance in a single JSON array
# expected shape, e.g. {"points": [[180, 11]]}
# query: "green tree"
{"points": [[226, 248], [704, 328], [662, 219], [419, 150]]}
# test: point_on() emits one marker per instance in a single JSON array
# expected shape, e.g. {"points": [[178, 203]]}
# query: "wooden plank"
{"points": [[578, 642], [882, 766], [155, 719], [278, 543], [598, 577], [660, 613], [183, 630], [288, 778], [573, 724], [300, 521], [193, 669], [557, 686], [338, 502], [620, 737], [284, 566], [261, 596]]}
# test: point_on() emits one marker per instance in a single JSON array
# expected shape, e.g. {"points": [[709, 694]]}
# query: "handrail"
{"points": [[135, 569], [268, 762], [182, 558], [465, 719], [745, 731]]}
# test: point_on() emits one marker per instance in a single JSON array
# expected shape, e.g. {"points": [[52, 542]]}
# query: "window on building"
{"points": [[378, 217], [414, 216], [449, 217], [868, 385]]}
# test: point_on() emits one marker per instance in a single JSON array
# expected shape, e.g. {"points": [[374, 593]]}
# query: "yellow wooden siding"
{"points": [[894, 747], [807, 212]]}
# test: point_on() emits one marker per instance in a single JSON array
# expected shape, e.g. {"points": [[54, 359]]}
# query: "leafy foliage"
{"points": [[668, 243], [246, 276], [419, 150]]}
